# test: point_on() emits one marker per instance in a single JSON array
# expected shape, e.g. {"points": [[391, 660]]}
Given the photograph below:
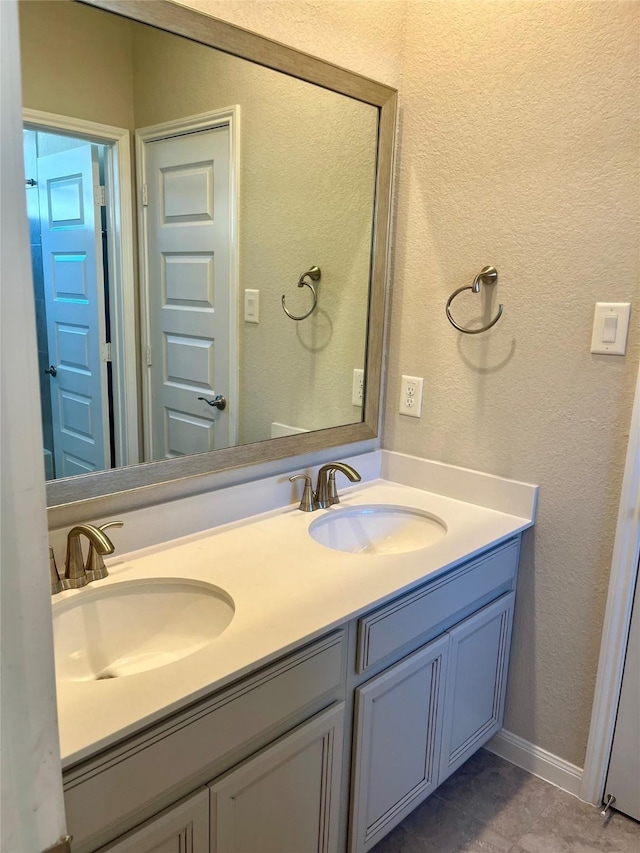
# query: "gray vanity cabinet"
{"points": [[287, 797], [183, 828], [271, 740], [421, 718], [397, 742], [284, 798]]}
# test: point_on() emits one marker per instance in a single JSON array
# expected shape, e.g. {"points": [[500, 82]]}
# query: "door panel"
{"points": [[74, 293], [397, 742], [287, 798], [183, 828], [476, 682], [187, 224]]}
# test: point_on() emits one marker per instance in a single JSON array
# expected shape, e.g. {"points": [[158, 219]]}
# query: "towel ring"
{"points": [[314, 274], [487, 275]]}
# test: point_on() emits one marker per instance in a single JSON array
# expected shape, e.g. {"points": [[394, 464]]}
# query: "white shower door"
{"points": [[75, 307]]}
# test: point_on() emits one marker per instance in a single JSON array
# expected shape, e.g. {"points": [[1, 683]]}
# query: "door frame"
{"points": [[617, 620], [121, 264], [33, 814], [190, 124]]}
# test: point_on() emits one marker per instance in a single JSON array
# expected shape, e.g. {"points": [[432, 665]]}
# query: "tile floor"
{"points": [[493, 806]]}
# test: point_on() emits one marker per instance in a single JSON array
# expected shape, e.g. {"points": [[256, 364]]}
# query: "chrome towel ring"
{"points": [[487, 275], [314, 274]]}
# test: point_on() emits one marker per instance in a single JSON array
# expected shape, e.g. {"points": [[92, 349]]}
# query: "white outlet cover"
{"points": [[357, 387], [411, 396]]}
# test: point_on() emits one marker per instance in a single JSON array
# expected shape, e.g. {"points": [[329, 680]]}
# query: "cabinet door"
{"points": [[476, 682], [183, 828], [398, 731], [286, 799]]}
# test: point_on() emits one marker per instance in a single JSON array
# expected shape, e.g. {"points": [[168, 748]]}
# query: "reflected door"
{"points": [[187, 225], [74, 295]]}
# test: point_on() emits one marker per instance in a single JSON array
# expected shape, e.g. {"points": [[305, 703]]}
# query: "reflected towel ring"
{"points": [[314, 274], [487, 275]]}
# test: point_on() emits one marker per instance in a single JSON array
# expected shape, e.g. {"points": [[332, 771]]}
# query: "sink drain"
{"points": [[105, 675]]}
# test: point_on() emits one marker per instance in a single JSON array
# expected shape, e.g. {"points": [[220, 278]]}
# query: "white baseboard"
{"points": [[537, 761]]}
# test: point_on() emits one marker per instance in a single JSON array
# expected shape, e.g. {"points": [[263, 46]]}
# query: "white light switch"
{"points": [[251, 306], [610, 327]]}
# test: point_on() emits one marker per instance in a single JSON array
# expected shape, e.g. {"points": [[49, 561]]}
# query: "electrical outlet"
{"points": [[357, 387], [411, 396]]}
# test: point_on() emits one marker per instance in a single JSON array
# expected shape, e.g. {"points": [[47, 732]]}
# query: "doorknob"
{"points": [[52, 370], [218, 402]]}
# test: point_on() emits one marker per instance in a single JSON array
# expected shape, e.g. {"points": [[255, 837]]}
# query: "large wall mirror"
{"points": [[208, 216]]}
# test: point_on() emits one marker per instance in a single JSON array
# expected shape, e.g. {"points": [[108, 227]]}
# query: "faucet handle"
{"points": [[307, 504], [54, 575], [96, 568], [332, 489]]}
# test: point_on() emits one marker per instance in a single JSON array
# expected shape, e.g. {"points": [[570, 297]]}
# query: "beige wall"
{"points": [[519, 140], [91, 78]]}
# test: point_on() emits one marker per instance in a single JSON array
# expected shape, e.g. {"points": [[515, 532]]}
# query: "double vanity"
{"points": [[293, 681]]}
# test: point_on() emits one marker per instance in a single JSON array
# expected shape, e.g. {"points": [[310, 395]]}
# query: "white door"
{"points": [[187, 225], [74, 293], [623, 779]]}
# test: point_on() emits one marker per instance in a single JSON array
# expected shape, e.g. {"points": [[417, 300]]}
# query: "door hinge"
{"points": [[101, 196], [145, 195], [147, 356], [106, 351]]}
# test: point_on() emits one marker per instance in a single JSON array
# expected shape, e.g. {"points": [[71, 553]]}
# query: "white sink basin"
{"points": [[377, 529], [130, 627]]}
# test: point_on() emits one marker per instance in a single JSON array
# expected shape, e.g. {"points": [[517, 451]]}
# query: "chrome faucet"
{"points": [[77, 572], [326, 492]]}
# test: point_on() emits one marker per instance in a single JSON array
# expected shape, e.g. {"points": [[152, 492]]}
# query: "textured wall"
{"points": [[520, 149], [50, 77], [519, 143], [361, 35]]}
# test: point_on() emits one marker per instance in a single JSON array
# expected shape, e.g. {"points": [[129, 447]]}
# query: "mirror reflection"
{"points": [[159, 282]]}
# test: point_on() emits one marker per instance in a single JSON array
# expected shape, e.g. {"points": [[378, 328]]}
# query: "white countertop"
{"points": [[287, 590]]}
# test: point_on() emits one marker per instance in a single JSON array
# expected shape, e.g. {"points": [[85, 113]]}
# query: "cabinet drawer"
{"points": [[438, 605], [102, 792]]}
